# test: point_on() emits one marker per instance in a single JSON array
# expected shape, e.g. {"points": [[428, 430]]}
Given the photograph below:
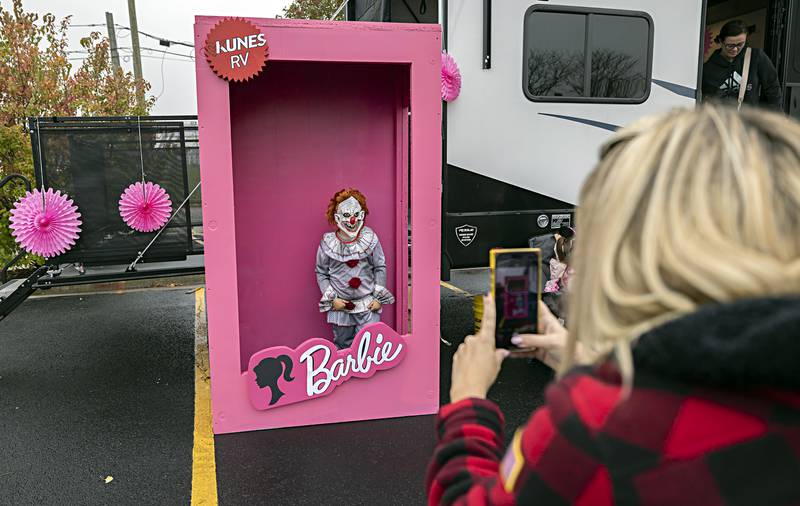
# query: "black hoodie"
{"points": [[721, 80]]}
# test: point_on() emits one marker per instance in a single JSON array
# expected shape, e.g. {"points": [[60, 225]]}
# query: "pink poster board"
{"points": [[330, 110]]}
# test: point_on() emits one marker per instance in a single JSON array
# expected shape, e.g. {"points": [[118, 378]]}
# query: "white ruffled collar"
{"points": [[358, 249]]}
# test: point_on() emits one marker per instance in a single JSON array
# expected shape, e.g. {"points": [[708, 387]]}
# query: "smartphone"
{"points": [[516, 288]]}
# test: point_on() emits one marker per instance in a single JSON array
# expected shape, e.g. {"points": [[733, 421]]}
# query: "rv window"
{"points": [[555, 59], [619, 56], [583, 55]]}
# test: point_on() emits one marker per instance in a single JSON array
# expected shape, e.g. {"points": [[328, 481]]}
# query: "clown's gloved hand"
{"points": [[383, 295], [374, 306], [326, 302]]}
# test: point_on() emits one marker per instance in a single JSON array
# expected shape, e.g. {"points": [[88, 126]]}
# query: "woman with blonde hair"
{"points": [[685, 316]]}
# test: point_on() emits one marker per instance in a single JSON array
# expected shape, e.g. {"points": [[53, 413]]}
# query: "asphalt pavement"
{"points": [[96, 407], [96, 399]]}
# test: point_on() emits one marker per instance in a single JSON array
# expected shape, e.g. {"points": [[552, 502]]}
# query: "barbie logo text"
{"points": [[279, 376], [374, 353]]}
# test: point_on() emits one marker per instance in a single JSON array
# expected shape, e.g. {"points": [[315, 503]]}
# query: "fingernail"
{"points": [[505, 353], [516, 340]]}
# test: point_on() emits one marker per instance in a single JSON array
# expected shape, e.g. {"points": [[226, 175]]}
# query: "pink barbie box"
{"points": [[328, 110]]}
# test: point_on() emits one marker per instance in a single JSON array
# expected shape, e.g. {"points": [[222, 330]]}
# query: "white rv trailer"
{"points": [[545, 83]]}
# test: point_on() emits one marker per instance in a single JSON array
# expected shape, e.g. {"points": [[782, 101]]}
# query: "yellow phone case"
{"points": [[493, 253]]}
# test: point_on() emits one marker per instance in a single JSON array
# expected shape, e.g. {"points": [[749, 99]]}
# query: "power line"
{"points": [[160, 39], [130, 49], [166, 59], [154, 37], [182, 60], [154, 50], [163, 86], [167, 52]]}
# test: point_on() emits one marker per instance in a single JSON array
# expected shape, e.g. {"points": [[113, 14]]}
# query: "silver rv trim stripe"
{"points": [[597, 124], [678, 89]]}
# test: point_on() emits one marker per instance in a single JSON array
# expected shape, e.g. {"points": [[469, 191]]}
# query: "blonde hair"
{"points": [[684, 209]]}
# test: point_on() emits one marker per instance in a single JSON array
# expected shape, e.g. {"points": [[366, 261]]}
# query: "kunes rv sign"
{"points": [[236, 50]]}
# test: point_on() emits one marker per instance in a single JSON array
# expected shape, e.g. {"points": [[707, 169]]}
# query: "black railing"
{"points": [[93, 160], [18, 257]]}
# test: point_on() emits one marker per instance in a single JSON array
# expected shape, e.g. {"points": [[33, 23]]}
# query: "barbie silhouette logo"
{"points": [[269, 371], [280, 375]]}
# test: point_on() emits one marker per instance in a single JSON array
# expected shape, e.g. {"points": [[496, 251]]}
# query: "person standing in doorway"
{"points": [[723, 72]]}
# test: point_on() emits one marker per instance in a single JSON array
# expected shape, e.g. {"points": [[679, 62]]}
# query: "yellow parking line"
{"points": [[204, 467], [454, 288]]}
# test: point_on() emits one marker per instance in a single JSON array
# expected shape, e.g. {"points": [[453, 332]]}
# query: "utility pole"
{"points": [[137, 52], [112, 39]]}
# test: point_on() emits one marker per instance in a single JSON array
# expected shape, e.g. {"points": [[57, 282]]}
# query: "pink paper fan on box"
{"points": [[451, 78], [145, 208], [46, 231]]}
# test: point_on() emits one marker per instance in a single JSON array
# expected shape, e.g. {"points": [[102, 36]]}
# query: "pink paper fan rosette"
{"points": [[145, 208], [46, 232], [451, 78]]}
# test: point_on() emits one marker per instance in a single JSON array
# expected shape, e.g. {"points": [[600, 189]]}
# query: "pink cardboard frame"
{"points": [[328, 111]]}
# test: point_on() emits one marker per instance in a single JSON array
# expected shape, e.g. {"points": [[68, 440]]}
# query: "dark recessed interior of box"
{"points": [[300, 132]]}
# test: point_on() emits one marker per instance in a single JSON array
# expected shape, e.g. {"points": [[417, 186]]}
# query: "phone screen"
{"points": [[516, 290]]}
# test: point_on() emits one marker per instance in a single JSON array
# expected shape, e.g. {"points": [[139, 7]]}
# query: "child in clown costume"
{"points": [[351, 269]]}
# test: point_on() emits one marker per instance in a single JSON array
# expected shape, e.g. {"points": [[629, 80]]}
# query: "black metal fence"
{"points": [[94, 160]]}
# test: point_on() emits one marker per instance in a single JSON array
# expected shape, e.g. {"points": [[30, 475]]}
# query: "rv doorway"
{"points": [[774, 27]]}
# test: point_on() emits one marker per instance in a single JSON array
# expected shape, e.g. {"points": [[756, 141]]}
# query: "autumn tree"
{"points": [[99, 89], [37, 79], [313, 9]]}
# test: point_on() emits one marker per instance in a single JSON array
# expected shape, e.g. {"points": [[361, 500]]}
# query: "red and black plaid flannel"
{"points": [[668, 443]]}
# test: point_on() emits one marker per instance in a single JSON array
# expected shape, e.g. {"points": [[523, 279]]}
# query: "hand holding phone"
{"points": [[477, 362], [516, 288], [548, 344]]}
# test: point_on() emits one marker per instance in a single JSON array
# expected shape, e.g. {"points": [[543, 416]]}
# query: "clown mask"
{"points": [[349, 218]]}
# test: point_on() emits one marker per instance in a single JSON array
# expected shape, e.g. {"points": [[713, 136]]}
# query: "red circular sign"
{"points": [[236, 50]]}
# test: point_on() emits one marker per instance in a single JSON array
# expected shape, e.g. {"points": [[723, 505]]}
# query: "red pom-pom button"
{"points": [[354, 283], [349, 305], [352, 263]]}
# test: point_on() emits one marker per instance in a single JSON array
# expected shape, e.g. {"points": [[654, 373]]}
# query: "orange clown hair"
{"points": [[340, 197]]}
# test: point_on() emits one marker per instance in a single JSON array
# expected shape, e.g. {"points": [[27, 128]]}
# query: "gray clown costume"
{"points": [[354, 271]]}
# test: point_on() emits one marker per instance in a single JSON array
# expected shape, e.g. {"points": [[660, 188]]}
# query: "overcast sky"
{"points": [[171, 19]]}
